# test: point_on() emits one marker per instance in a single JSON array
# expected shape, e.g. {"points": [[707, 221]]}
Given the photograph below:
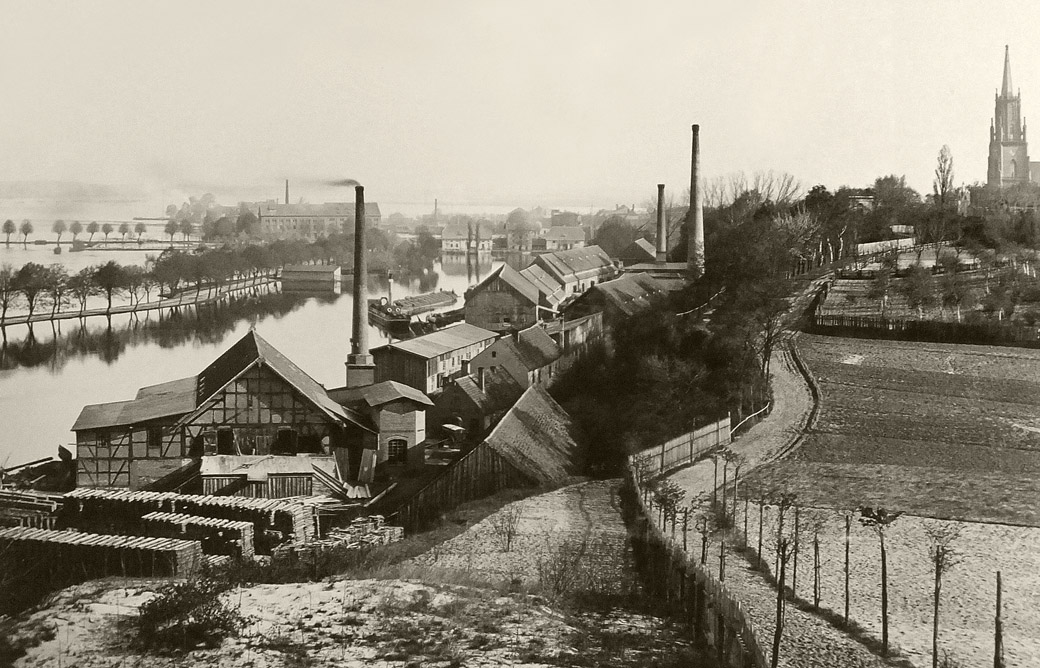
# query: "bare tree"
{"points": [[783, 551], [941, 537], [942, 186], [505, 524], [878, 520]]}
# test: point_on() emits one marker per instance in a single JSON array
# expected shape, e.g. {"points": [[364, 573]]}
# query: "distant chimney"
{"points": [[480, 378], [360, 369], [662, 230], [695, 216], [287, 191]]}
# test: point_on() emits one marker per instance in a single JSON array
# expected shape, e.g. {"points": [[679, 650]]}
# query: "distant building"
{"points": [[564, 218], [529, 356], [311, 277], [1009, 162], [564, 238], [428, 362], [578, 269], [462, 238], [311, 221]]}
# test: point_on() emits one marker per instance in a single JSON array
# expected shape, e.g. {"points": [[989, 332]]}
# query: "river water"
{"points": [[49, 373]]}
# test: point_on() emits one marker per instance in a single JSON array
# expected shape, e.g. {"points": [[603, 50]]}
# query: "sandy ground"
{"points": [[354, 623], [585, 516], [968, 594]]}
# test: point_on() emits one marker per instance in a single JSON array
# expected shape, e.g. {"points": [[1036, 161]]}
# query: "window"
{"points": [[154, 441], [397, 451], [494, 354]]}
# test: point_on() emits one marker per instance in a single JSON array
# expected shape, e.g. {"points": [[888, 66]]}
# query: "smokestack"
{"points": [[360, 369], [695, 217], [662, 230], [287, 191]]}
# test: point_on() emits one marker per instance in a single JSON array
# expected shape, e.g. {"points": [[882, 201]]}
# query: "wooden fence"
{"points": [[871, 327], [479, 473], [715, 616], [684, 449]]}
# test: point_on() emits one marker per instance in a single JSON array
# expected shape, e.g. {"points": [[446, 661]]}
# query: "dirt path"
{"points": [[585, 517]]}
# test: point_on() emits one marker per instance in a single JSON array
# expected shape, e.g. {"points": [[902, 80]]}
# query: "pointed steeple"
{"points": [[1006, 89]]}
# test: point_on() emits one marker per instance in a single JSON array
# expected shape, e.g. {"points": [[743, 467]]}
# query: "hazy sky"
{"points": [[585, 103]]}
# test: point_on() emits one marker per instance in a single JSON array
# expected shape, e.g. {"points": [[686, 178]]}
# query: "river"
{"points": [[48, 374]]}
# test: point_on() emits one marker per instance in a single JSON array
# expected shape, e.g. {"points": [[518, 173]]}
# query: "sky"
{"points": [[585, 104]]}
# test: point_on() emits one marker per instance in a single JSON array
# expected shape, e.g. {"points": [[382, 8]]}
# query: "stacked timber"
{"points": [[29, 509], [113, 511], [218, 536], [360, 533], [64, 554]]}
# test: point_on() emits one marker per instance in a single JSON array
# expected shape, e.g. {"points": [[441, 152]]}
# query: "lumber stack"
{"points": [[217, 536], [65, 555], [118, 511], [360, 533]]}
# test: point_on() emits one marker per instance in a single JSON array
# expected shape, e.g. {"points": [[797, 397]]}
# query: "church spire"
{"points": [[1006, 90]]}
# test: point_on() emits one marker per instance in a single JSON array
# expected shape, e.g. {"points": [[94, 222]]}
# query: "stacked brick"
{"points": [[70, 555], [217, 536]]}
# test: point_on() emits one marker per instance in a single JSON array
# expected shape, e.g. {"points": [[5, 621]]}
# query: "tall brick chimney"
{"points": [[361, 370], [662, 229], [695, 217], [287, 191]]}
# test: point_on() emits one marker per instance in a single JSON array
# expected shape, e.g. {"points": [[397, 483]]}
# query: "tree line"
{"points": [[75, 228], [35, 287]]}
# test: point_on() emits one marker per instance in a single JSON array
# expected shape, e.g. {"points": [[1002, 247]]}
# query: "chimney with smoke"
{"points": [[695, 217], [662, 229], [361, 370]]}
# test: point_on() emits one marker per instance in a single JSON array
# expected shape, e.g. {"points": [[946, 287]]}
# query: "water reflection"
{"points": [[107, 341]]}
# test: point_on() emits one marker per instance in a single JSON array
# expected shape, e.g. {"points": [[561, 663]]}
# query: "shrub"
{"points": [[184, 615]]}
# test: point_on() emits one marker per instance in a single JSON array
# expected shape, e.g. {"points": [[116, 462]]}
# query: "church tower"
{"points": [[1008, 152]]}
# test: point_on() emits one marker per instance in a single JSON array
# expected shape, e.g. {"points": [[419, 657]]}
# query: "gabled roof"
{"points": [[513, 279], [536, 348], [538, 438], [379, 394], [629, 293], [500, 390], [565, 233], [250, 350], [462, 230], [442, 341], [550, 289], [575, 263], [165, 400], [640, 249]]}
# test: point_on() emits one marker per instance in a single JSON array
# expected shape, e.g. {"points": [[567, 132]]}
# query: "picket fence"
{"points": [[715, 616], [684, 449]]}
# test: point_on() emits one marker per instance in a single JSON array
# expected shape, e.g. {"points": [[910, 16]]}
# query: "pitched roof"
{"points": [[548, 287], [513, 279], [640, 249], [500, 390], [442, 341], [242, 465], [170, 399], [536, 348], [379, 394], [538, 438], [575, 263], [252, 349], [629, 293], [462, 230], [565, 233]]}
